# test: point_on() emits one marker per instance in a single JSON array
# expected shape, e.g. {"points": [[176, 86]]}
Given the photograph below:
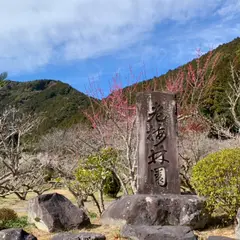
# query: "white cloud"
{"points": [[229, 9], [35, 33]]}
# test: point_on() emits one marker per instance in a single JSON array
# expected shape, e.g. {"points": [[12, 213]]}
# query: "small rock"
{"points": [[164, 209], [16, 234], [157, 232], [79, 236], [54, 212]]}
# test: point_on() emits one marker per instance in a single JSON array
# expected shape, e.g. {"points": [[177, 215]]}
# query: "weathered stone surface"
{"points": [[164, 209], [219, 238], [157, 232], [79, 236], [158, 168], [237, 229], [54, 212], [16, 234]]}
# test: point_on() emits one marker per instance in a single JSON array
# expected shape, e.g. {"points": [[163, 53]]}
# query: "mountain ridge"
{"points": [[63, 105], [60, 104]]}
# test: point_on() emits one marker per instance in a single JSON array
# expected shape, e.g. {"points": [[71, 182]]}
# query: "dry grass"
{"points": [[224, 232], [111, 232], [20, 206]]}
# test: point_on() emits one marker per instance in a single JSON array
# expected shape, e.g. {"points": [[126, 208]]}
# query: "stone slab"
{"points": [[79, 236], [157, 233], [16, 234], [158, 167], [164, 209]]}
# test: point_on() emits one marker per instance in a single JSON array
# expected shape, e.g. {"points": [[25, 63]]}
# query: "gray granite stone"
{"points": [[158, 169], [157, 233], [164, 209]]}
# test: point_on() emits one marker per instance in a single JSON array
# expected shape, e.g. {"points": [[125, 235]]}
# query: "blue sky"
{"points": [[77, 40]]}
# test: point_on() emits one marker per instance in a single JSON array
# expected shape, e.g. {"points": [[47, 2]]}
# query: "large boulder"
{"points": [[164, 209], [157, 232], [16, 234], [79, 236], [54, 212]]}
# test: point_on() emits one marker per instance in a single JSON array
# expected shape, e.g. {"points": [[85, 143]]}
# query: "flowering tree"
{"points": [[191, 84], [114, 117]]}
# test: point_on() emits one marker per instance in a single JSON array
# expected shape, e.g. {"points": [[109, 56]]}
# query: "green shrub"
{"points": [[20, 222], [9, 219], [112, 185], [92, 215], [217, 177]]}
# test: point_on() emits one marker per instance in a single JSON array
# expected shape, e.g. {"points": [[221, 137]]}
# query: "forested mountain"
{"points": [[63, 105], [59, 103], [215, 101]]}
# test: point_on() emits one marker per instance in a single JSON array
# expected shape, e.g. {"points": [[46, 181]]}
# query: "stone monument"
{"points": [[158, 208], [158, 170]]}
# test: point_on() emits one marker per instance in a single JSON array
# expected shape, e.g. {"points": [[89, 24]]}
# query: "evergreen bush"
{"points": [[217, 177]]}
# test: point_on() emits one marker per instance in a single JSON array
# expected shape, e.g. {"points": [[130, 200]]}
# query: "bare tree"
{"points": [[62, 150], [193, 146], [234, 94], [19, 172]]}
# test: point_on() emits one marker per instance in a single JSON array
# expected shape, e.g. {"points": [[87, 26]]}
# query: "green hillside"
{"points": [[215, 102], [59, 103], [63, 106]]}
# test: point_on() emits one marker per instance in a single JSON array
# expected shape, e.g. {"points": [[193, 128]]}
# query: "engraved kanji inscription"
{"points": [[157, 112], [157, 156], [158, 170], [160, 176], [156, 134]]}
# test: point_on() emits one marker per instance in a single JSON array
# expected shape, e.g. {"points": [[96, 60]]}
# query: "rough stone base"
{"points": [[157, 232], [151, 210], [79, 236], [16, 234]]}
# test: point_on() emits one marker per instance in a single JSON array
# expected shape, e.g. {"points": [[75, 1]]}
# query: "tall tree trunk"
{"points": [[97, 203], [80, 202], [101, 200], [78, 197], [133, 186]]}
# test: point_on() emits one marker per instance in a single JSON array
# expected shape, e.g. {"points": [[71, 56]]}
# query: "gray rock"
{"points": [[164, 209], [219, 238], [16, 234], [54, 212], [157, 232], [79, 236], [237, 229]]}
